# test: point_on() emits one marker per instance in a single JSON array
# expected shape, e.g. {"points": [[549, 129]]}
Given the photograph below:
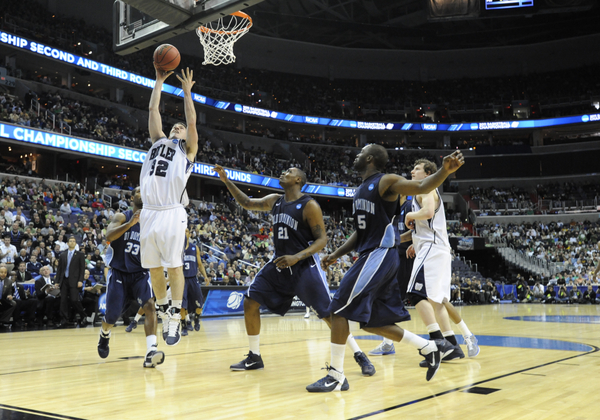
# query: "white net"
{"points": [[218, 37]]}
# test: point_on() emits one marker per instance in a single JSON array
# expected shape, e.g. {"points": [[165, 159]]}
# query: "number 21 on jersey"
{"points": [[282, 233]]}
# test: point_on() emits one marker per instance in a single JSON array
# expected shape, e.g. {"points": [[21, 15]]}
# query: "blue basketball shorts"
{"points": [[369, 292], [275, 288], [122, 287]]}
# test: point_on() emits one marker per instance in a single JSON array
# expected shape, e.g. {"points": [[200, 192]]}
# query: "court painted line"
{"points": [[508, 341], [27, 414], [567, 319], [429, 397]]}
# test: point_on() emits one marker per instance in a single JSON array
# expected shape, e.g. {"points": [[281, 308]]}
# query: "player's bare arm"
{"points": [[154, 120], [260, 204], [201, 268], [428, 205], [348, 246], [410, 252], [191, 140], [406, 237], [314, 217], [118, 227], [392, 185]]}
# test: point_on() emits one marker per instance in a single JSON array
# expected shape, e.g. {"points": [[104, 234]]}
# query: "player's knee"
{"points": [[149, 308], [250, 304], [415, 299]]}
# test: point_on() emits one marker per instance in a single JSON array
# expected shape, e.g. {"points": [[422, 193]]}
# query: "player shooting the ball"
{"points": [[163, 220]]}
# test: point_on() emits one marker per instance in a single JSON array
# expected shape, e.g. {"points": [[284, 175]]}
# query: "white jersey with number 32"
{"points": [[165, 173]]}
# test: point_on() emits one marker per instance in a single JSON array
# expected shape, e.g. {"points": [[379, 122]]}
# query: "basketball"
{"points": [[166, 57]]}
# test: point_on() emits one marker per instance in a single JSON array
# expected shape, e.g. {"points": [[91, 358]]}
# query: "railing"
{"points": [[218, 251], [568, 205], [531, 264]]}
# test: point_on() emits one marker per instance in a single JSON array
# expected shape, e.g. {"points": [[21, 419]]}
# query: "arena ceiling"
{"points": [[404, 24]]}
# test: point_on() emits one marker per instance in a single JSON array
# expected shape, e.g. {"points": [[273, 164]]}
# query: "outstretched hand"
{"points": [[186, 79], [222, 174], [453, 161], [161, 75]]}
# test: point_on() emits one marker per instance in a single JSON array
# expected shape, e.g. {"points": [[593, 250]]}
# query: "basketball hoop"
{"points": [[218, 37]]}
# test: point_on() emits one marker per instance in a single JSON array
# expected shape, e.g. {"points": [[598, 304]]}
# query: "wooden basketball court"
{"points": [[542, 364]]}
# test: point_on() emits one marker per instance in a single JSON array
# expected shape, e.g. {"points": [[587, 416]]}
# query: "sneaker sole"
{"points": [[381, 354], [156, 360], [476, 354], [243, 369]]}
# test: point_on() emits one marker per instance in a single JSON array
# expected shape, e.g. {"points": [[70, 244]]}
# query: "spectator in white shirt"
{"points": [[65, 209], [8, 253]]}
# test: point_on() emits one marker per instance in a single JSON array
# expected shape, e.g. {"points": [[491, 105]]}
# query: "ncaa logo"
{"points": [[341, 192], [474, 126], [514, 124], [371, 187], [238, 108], [389, 126], [585, 118], [175, 141], [418, 287], [352, 124], [299, 206], [273, 114], [235, 300], [139, 301]]}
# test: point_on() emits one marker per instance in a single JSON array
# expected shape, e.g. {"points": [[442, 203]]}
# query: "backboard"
{"points": [[136, 26]]}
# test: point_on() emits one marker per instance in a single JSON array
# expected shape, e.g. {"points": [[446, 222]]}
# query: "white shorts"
{"points": [[431, 273], [162, 237]]}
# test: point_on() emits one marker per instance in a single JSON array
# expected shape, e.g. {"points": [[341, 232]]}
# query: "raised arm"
{"points": [[191, 140], [392, 185], [262, 204], [314, 217], [154, 120], [118, 227]]}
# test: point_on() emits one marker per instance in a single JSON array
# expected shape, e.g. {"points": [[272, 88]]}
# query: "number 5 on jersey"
{"points": [[362, 223]]}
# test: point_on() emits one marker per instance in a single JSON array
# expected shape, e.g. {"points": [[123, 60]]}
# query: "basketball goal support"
{"points": [[134, 33]]}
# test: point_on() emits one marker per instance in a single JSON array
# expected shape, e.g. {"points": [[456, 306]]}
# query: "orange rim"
{"points": [[243, 15]]}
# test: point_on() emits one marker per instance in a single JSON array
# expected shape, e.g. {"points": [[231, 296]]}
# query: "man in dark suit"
{"points": [[22, 274], [24, 303], [7, 307], [48, 303], [69, 274]]}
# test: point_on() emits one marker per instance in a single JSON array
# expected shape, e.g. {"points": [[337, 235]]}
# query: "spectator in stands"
{"points": [[65, 209], [48, 302], [33, 266], [7, 306], [538, 291], [550, 294], [562, 296], [22, 275], [8, 253], [589, 296], [575, 295]]}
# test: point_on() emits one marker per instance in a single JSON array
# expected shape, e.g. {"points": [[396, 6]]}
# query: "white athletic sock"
{"points": [[161, 302], [187, 318], [433, 327], [464, 330], [150, 343], [352, 343], [387, 341], [176, 304], [417, 342], [137, 317], [254, 342], [337, 356], [104, 333], [447, 333]]}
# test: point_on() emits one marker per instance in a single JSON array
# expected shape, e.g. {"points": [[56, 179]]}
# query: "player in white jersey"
{"points": [[163, 220], [429, 285]]}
